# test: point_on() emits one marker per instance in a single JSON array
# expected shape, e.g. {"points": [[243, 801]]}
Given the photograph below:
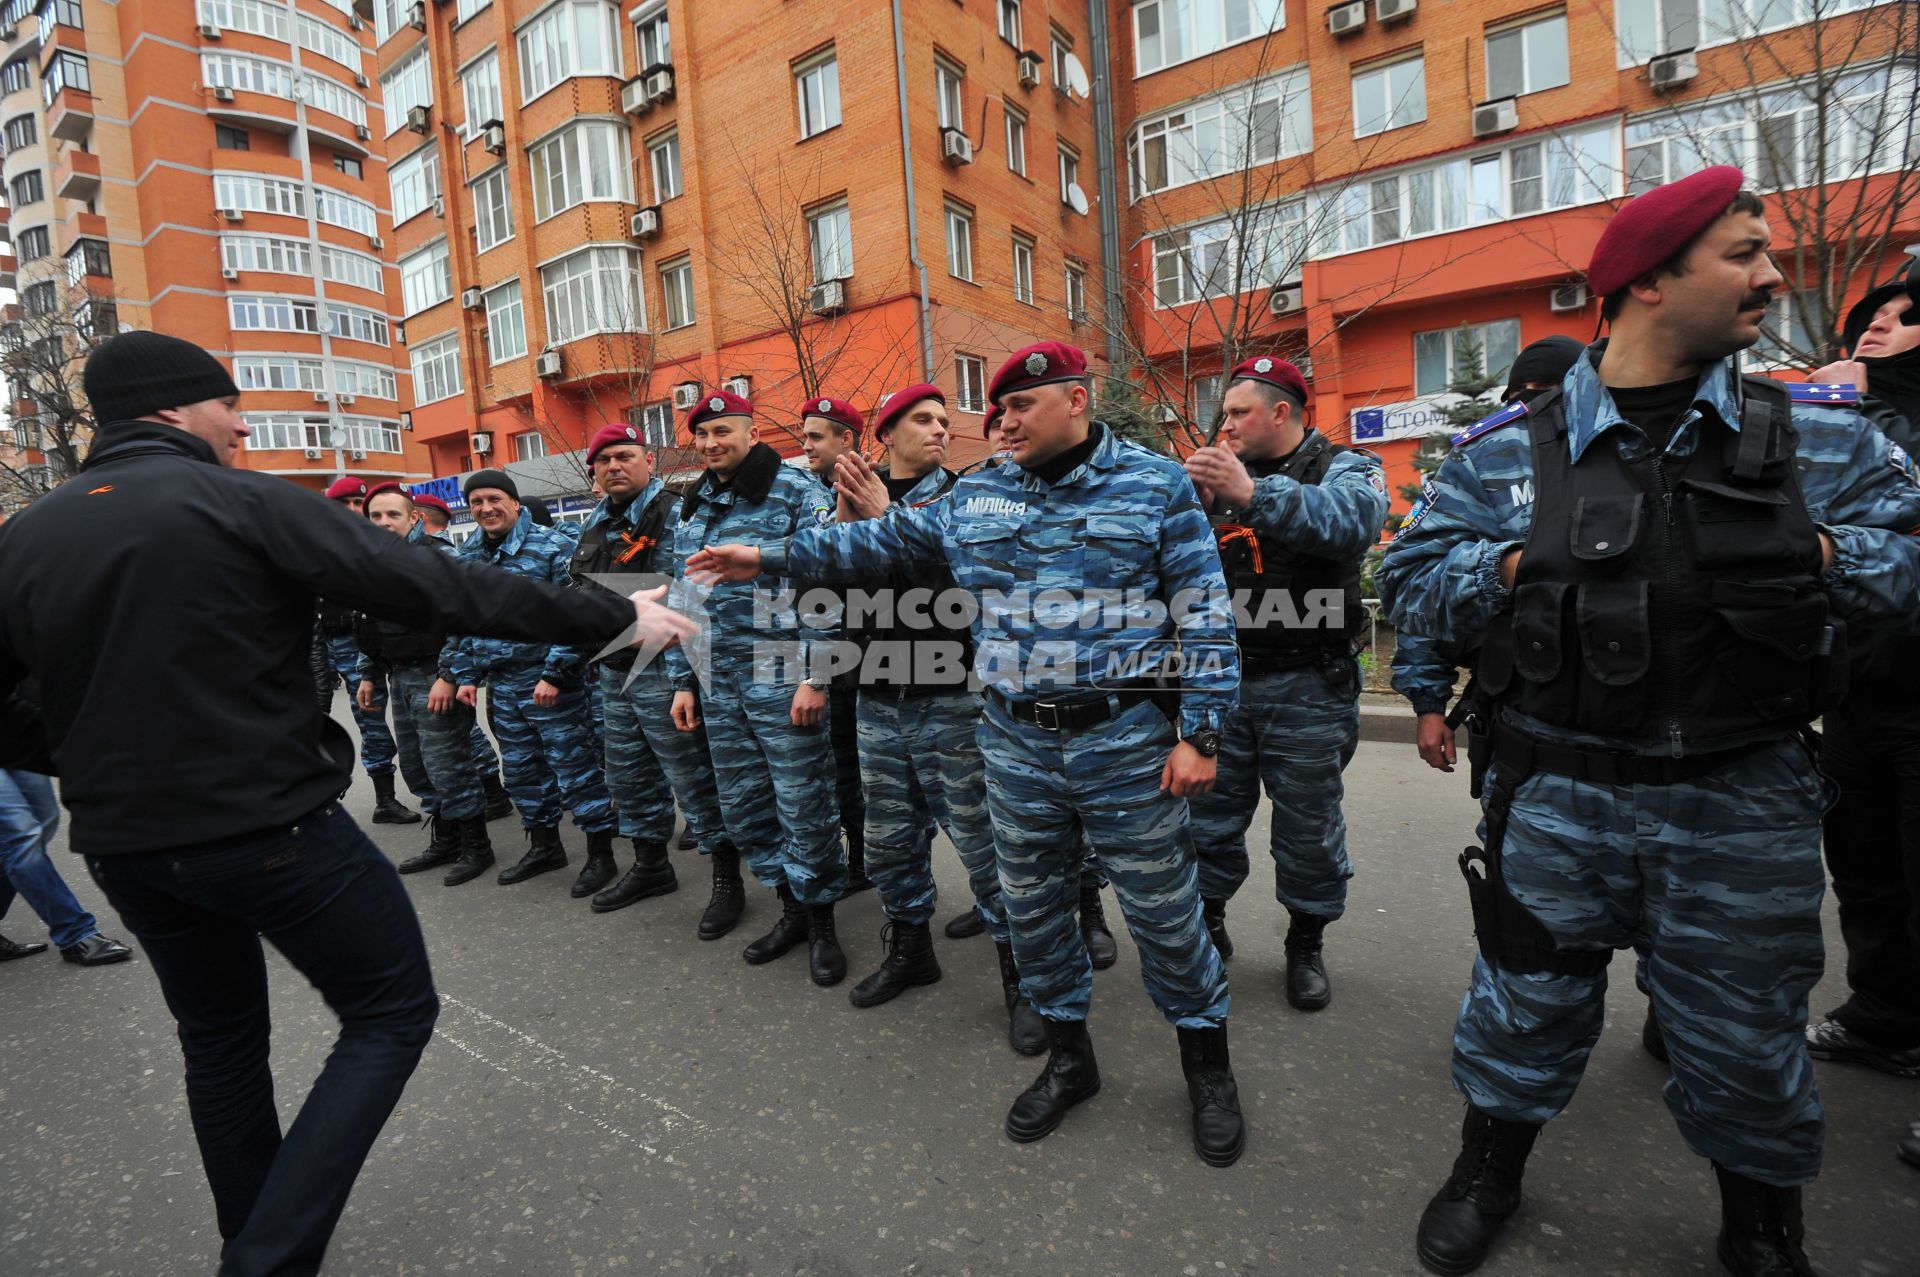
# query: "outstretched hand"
{"points": [[655, 625], [717, 563]]}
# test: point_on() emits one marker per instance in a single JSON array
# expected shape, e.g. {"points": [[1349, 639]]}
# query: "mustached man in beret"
{"points": [[1294, 513], [1658, 563], [763, 691], [1084, 730], [336, 624]]}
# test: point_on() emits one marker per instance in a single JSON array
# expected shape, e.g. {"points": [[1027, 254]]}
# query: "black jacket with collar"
{"points": [[165, 604]]}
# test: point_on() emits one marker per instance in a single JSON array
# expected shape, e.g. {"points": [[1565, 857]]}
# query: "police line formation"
{"points": [[1084, 662]]}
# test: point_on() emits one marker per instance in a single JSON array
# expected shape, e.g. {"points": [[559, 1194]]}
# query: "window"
{"points": [[328, 41], [60, 13], [255, 17], [26, 189], [467, 8], [290, 430], [506, 324], [819, 84], [654, 40], [1527, 58], [480, 87], [663, 155], [1016, 141], [274, 314], [1225, 134], [336, 99], [273, 254], [1389, 97], [594, 290], [1206, 401], [1648, 28], [960, 242], [229, 138], [344, 266], [1207, 261], [388, 17], [970, 383], [830, 238], [349, 212], [41, 299], [349, 165], [21, 132], [88, 257], [676, 287], [529, 446], [492, 209], [33, 243], [414, 181], [656, 425], [251, 193], [408, 85], [1076, 293], [1166, 32], [67, 70], [16, 75], [1009, 18], [573, 37], [1442, 358], [1062, 48], [946, 87], [358, 323], [249, 75], [1790, 336], [1023, 269], [584, 161], [1069, 172], [426, 279], [436, 368]]}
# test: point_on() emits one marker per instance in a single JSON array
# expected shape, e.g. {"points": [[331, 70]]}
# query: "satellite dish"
{"points": [[1076, 198], [1077, 83]]}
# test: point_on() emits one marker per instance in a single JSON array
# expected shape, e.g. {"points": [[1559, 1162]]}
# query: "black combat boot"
{"points": [[1307, 986], [1760, 1228], [1463, 1218], [826, 964], [1026, 1027], [599, 869], [476, 853], [964, 926], [1093, 924], [544, 852], [1214, 913], [1652, 1040], [729, 898], [498, 803], [443, 846], [1219, 1133], [652, 875], [1071, 1076], [687, 841], [910, 962], [387, 810], [857, 879], [788, 931]]}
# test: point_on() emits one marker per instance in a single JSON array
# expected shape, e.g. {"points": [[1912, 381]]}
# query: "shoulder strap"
{"points": [[1764, 413]]}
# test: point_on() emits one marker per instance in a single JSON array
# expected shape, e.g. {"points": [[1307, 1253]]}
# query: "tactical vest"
{"points": [[893, 676], [632, 551], [1257, 566], [336, 619], [1670, 603]]}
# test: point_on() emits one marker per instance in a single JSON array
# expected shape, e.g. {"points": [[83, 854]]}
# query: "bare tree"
{"points": [[45, 339]]}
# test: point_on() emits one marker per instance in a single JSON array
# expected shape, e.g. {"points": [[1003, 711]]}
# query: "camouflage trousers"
{"points": [[549, 754], [920, 764], [1718, 881], [1046, 788], [779, 808], [485, 761], [439, 746], [1293, 732], [849, 776], [651, 763], [376, 742]]}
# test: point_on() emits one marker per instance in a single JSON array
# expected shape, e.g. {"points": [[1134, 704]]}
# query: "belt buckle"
{"points": [[1046, 716]]}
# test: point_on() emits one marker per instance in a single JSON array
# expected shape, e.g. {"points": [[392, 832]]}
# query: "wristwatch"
{"points": [[1207, 743]]}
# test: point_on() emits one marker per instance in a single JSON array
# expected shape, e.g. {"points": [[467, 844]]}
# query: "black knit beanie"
{"points": [[489, 479], [141, 372]]}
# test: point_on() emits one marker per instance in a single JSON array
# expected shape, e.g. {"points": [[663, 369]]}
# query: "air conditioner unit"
{"points": [[742, 386], [356, 22], [1568, 297], [645, 223], [376, 243], [343, 398], [482, 442], [221, 93], [471, 299], [231, 214], [228, 272], [400, 333], [1673, 70], [1386, 11], [686, 395], [359, 454], [829, 297], [1029, 70], [1495, 117], [362, 132], [209, 31], [660, 86], [493, 139], [321, 396], [633, 96], [406, 421], [1345, 19], [360, 80], [1284, 301], [314, 454], [549, 364], [955, 147], [417, 16], [439, 206], [417, 118]]}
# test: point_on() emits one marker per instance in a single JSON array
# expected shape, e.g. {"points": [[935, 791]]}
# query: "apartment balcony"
{"points": [[6, 232], [9, 270], [77, 176], [70, 116], [79, 226]]}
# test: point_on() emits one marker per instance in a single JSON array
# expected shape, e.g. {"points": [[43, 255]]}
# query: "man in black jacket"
{"points": [[164, 603]]}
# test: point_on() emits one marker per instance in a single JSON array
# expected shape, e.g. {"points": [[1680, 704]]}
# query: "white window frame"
{"points": [[255, 17], [677, 306], [817, 85], [356, 270], [436, 368], [506, 322], [566, 154], [830, 242], [255, 193], [651, 28], [1399, 111], [1675, 31], [1069, 169], [480, 93], [960, 242], [492, 208], [426, 277], [1076, 292], [663, 161], [1447, 338], [1204, 260], [1007, 21], [349, 212], [1059, 47], [949, 91], [593, 289], [267, 254], [529, 445], [1199, 20], [1016, 139], [412, 183], [1533, 78], [1222, 134], [550, 45], [969, 384], [408, 84], [1023, 270]]}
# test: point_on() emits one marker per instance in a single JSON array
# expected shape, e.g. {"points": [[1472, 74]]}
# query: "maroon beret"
{"points": [[894, 406], [1274, 372], [386, 485], [1651, 228], [1044, 363], [345, 488], [718, 403], [431, 502], [612, 436], [838, 411], [987, 423]]}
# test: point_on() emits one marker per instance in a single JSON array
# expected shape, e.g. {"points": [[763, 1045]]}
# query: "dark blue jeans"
{"points": [[325, 897], [29, 816]]}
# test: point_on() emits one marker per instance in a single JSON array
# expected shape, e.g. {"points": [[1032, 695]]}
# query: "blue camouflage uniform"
{"points": [[1295, 729], [377, 747], [773, 777], [1042, 560], [1718, 877], [549, 754]]}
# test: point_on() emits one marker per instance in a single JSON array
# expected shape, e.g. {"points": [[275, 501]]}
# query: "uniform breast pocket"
{"points": [[1733, 527], [1121, 549], [988, 555]]}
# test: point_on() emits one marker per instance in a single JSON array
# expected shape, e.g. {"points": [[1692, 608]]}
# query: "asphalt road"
{"points": [[607, 1094]]}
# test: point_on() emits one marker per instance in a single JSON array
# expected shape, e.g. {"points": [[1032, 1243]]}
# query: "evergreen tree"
{"points": [[1470, 380]]}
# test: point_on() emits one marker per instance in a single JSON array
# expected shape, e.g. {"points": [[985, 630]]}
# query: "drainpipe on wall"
{"points": [[1100, 71], [913, 216]]}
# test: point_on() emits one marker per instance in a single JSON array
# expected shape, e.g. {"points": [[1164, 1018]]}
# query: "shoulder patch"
{"points": [[1898, 458], [1822, 392], [1511, 413]]}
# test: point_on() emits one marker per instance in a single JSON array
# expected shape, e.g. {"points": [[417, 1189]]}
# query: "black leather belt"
{"points": [[1071, 715], [1523, 755]]}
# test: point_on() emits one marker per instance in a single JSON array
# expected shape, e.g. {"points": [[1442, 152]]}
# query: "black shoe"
{"points": [[1760, 1228], [544, 853], [1652, 1041], [1832, 1040], [687, 842], [965, 926], [1219, 1132], [95, 951], [1307, 986], [857, 879], [1101, 949], [476, 852], [599, 869], [652, 875], [788, 931], [729, 898], [387, 810], [1071, 1076], [910, 962], [1909, 1146], [9, 950], [498, 802], [1026, 1027], [826, 964], [443, 846], [1214, 914], [1464, 1217]]}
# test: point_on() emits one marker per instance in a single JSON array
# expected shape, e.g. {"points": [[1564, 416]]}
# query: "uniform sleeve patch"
{"points": [[1823, 392], [1420, 509], [823, 515], [1512, 412], [1901, 460]]}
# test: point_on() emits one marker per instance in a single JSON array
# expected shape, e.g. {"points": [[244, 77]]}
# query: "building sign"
{"points": [[446, 488], [1414, 419]]}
